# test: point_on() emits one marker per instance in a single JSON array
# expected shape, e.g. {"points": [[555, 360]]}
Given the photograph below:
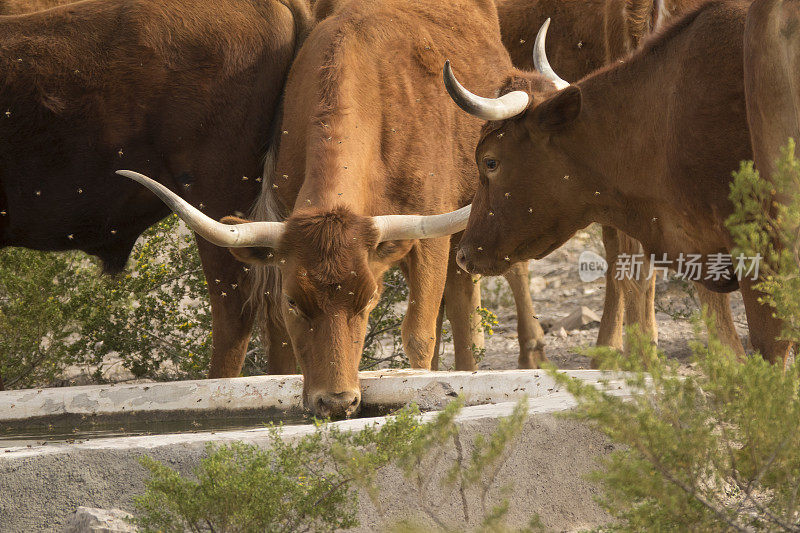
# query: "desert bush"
{"points": [[36, 327], [713, 448], [383, 344], [311, 484], [57, 310]]}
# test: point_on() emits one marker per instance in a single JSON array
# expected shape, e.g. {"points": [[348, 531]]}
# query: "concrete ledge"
{"points": [[42, 486], [379, 388]]}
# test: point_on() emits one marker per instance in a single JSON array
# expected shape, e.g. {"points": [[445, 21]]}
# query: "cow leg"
{"points": [[764, 328], [426, 270], [611, 324], [718, 304], [640, 292], [529, 332], [640, 305], [438, 348], [232, 320], [462, 298]]}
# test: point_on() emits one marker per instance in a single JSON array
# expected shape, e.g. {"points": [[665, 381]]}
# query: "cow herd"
{"points": [[323, 144]]}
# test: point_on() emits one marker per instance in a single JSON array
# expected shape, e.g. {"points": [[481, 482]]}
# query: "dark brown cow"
{"points": [[646, 146], [185, 90], [368, 132], [591, 34]]}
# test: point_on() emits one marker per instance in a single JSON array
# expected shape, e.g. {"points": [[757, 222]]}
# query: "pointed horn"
{"points": [[406, 227], [507, 106], [540, 61], [264, 234]]}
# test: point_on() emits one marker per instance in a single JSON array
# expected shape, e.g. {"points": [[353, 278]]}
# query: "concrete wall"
{"points": [[41, 486]]}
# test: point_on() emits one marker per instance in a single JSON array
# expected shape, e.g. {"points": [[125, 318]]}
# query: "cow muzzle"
{"points": [[335, 404], [477, 261]]}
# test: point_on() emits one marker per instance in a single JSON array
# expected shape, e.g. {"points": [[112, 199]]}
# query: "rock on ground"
{"points": [[93, 520]]}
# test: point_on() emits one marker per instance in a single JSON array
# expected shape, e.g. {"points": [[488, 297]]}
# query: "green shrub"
{"points": [[383, 344], [156, 312], [36, 307], [310, 484], [56, 309], [711, 449], [715, 447]]}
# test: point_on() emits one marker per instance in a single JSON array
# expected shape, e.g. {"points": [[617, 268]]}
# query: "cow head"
{"points": [[527, 203], [331, 263]]}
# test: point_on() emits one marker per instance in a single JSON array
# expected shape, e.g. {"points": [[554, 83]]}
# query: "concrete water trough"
{"points": [[79, 446]]}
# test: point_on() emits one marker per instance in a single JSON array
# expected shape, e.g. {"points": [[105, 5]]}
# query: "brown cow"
{"points": [[368, 132], [182, 89], [646, 146], [771, 71], [591, 34], [529, 331]]}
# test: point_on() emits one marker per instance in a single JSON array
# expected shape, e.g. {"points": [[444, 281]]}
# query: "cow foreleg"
{"points": [[462, 298], [232, 320], [640, 303], [438, 347], [529, 332], [639, 290], [630, 300], [611, 323], [425, 267], [718, 304], [765, 329]]}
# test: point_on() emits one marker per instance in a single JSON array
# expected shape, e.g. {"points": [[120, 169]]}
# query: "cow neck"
{"points": [[621, 140]]}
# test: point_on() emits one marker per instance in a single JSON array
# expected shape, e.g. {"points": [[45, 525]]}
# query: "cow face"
{"points": [[530, 199], [331, 266]]}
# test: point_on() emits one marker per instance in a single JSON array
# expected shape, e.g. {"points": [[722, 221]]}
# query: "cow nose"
{"points": [[336, 404], [461, 260]]}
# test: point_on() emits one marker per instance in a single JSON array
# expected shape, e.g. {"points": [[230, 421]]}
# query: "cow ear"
{"points": [[390, 251], [256, 256], [559, 110]]}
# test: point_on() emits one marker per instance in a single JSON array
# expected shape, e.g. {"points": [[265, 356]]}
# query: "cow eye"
{"points": [[491, 164], [291, 302]]}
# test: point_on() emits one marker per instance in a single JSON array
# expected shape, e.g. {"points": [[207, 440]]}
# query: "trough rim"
{"points": [[385, 388]]}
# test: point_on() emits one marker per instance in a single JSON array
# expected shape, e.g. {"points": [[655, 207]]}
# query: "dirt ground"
{"points": [[557, 291]]}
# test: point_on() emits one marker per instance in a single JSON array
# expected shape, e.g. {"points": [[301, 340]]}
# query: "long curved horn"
{"points": [[406, 227], [507, 106], [540, 62], [265, 234]]}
